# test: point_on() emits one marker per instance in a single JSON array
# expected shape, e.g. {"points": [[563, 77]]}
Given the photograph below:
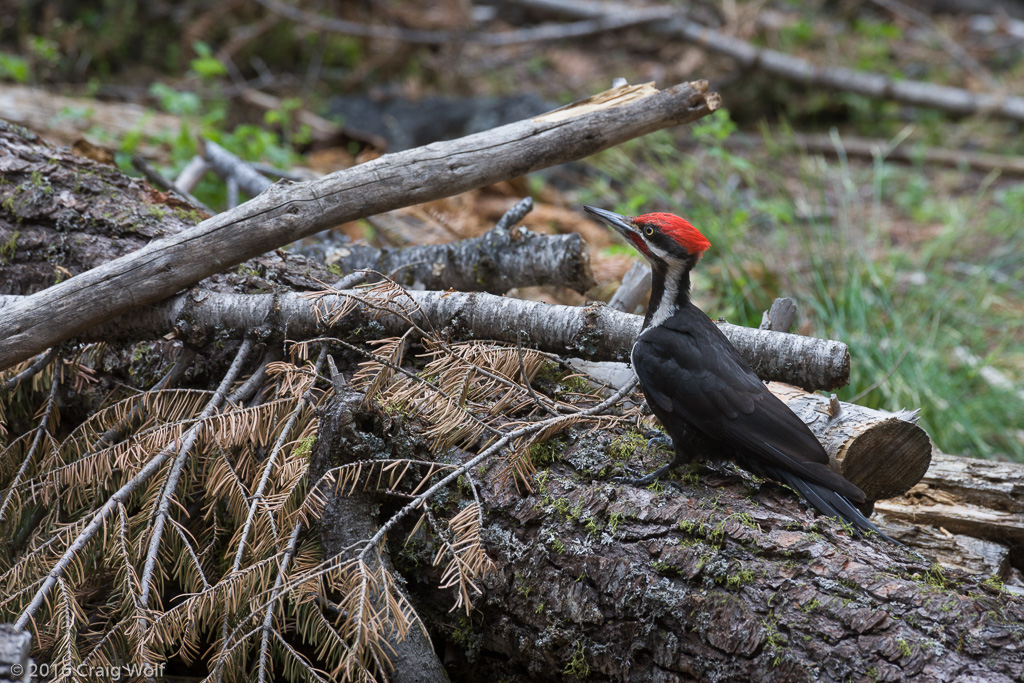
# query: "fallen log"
{"points": [[594, 332], [706, 579], [287, 212], [494, 262], [977, 498]]}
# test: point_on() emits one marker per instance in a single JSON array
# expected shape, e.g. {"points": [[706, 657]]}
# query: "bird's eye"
{"points": [[649, 230]]}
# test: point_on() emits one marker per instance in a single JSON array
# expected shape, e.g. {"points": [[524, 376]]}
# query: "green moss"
{"points": [[741, 578], [623, 448], [522, 587], [993, 583], [613, 522], [811, 606], [188, 215], [547, 452], [935, 576], [156, 211], [8, 248], [304, 447], [561, 505]]}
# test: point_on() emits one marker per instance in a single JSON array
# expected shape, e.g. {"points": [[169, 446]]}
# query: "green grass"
{"points": [[826, 232]]}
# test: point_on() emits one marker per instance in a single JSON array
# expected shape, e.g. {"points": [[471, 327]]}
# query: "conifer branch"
{"points": [[35, 366], [496, 447], [275, 592], [42, 432], [171, 484]]}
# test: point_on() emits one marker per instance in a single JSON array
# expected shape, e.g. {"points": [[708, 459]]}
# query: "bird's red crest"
{"points": [[678, 229]]}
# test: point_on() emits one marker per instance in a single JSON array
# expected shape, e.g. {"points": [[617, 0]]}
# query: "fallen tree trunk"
{"points": [[593, 332], [704, 580], [978, 498], [287, 212]]}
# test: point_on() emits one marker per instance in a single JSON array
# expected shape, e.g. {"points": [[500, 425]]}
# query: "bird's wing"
{"points": [[690, 370]]}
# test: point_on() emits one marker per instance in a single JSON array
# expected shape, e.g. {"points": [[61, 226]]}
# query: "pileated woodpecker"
{"points": [[704, 392]]}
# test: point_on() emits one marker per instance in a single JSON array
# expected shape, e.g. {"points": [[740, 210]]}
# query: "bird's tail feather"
{"points": [[831, 503]]}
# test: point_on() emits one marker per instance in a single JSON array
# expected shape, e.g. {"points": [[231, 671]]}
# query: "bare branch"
{"points": [[158, 180], [171, 484], [42, 432], [636, 285], [956, 101], [32, 370], [578, 29], [231, 167], [591, 332]]}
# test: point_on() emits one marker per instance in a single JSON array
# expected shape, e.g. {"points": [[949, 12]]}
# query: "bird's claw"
{"points": [[659, 440], [646, 480]]}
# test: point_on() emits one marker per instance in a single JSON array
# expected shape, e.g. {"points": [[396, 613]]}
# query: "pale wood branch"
{"points": [[594, 332], [636, 285]]}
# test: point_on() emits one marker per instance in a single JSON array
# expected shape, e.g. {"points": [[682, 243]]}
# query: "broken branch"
{"points": [[494, 262]]}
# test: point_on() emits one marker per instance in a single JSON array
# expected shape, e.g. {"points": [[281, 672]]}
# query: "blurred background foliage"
{"points": [[918, 267]]}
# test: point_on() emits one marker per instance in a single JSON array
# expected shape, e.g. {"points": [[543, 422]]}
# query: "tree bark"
{"points": [[287, 212], [347, 521]]}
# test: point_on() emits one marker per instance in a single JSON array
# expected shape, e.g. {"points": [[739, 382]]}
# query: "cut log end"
{"points": [[885, 458], [881, 453]]}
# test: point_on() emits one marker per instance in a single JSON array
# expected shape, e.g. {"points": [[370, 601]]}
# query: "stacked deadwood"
{"points": [[723, 580]]}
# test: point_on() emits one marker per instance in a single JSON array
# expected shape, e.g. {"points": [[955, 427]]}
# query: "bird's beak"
{"points": [[621, 224]]}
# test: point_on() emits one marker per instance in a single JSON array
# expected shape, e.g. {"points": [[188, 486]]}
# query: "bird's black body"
{"points": [[705, 394]]}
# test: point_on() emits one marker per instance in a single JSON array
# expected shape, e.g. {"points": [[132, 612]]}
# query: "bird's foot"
{"points": [[646, 480], [658, 439]]}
